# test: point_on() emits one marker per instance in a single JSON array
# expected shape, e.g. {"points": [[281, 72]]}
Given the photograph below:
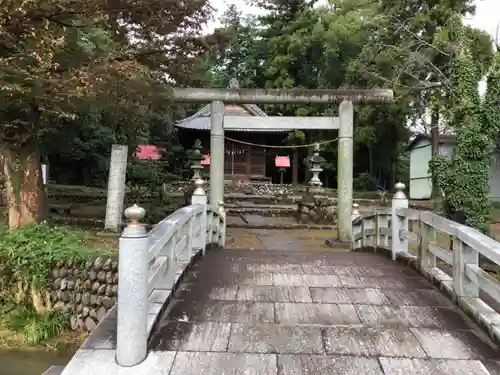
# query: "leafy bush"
{"points": [[144, 176], [364, 181], [27, 256]]}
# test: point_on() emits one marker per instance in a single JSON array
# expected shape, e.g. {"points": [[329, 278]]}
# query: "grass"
{"points": [[32, 328]]}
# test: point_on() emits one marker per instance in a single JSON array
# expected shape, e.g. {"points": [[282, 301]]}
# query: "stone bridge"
{"points": [[395, 302]]}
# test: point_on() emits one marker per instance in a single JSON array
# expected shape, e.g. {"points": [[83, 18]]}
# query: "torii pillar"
{"points": [[346, 98], [345, 165], [216, 154]]}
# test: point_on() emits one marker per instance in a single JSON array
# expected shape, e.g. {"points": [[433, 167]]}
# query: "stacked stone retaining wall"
{"points": [[85, 290]]}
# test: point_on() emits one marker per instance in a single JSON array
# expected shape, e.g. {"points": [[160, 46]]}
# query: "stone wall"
{"points": [[86, 290], [240, 187], [317, 210]]}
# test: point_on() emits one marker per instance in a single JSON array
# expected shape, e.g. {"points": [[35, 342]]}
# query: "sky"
{"points": [[487, 16]]}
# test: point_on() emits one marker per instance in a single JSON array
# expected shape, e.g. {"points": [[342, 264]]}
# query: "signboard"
{"points": [[206, 160], [282, 161]]}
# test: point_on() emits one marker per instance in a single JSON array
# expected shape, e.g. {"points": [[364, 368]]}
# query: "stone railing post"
{"points": [[355, 211], [200, 197], [399, 200], [132, 336], [356, 229], [222, 229]]}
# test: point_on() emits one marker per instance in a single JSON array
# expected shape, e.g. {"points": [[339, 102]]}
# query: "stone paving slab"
{"points": [[223, 311], [281, 279], [326, 365], [54, 370], [316, 313], [426, 297], [275, 268], [274, 293], [404, 366], [384, 282], [195, 363], [455, 344], [412, 316], [275, 338], [103, 362], [369, 342], [344, 295], [202, 337]]}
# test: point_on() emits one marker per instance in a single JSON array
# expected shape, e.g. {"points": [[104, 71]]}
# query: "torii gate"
{"points": [[344, 122]]}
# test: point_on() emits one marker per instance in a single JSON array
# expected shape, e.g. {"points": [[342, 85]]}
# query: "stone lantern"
{"points": [[316, 161], [196, 158]]}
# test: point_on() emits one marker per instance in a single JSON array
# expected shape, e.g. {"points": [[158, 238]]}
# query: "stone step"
{"points": [[287, 226], [260, 211], [262, 206]]}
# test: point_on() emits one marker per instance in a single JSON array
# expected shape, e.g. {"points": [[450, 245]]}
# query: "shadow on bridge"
{"points": [[268, 312]]}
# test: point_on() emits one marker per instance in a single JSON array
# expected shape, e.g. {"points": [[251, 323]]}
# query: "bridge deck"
{"points": [[296, 312]]}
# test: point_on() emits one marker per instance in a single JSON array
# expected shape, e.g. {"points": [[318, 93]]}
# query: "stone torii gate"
{"points": [[345, 123]]}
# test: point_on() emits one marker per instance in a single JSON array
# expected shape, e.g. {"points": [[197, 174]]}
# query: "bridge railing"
{"points": [[152, 263], [461, 277]]}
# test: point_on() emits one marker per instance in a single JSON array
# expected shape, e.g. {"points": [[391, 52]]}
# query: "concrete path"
{"points": [[244, 312]]}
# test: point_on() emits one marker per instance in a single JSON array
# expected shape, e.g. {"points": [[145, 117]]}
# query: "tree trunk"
{"points": [[370, 159], [25, 193]]}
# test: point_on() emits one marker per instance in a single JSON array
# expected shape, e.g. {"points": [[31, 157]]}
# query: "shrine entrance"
{"points": [[244, 162], [344, 123]]}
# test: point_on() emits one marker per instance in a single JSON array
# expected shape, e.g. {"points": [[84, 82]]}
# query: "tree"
{"points": [[464, 178], [57, 56], [410, 50], [78, 152], [240, 55]]}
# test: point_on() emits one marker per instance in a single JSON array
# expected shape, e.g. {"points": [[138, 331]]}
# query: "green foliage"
{"points": [[464, 178], [78, 152], [31, 251], [34, 327], [491, 103], [144, 176], [364, 182], [296, 137]]}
